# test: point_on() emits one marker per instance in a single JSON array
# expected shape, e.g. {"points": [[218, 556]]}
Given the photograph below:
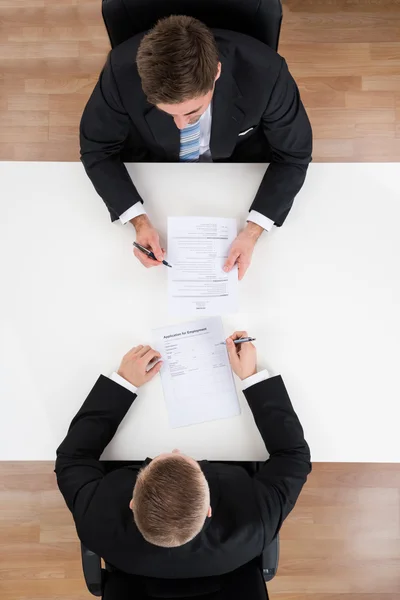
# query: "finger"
{"points": [[143, 351], [154, 370], [230, 261], [155, 246], [145, 260], [246, 345], [239, 334], [150, 356], [232, 353], [242, 266], [134, 351]]}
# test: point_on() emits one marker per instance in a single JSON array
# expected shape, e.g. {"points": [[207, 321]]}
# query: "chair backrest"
{"points": [[246, 582], [260, 19]]}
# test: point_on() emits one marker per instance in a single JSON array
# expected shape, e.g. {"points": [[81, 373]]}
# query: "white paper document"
{"points": [[196, 375], [197, 250]]}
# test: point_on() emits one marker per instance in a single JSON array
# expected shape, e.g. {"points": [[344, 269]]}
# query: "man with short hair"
{"points": [[183, 92], [181, 518]]}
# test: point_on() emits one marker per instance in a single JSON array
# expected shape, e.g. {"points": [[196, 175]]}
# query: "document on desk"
{"points": [[197, 249], [196, 375]]}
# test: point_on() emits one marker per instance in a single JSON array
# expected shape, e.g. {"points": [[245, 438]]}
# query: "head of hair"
{"points": [[170, 501], [177, 60]]}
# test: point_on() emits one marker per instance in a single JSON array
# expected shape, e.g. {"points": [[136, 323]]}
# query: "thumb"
{"points": [[230, 261], [233, 357], [154, 370]]}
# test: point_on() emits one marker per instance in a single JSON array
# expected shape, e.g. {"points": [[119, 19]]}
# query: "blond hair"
{"points": [[170, 501]]}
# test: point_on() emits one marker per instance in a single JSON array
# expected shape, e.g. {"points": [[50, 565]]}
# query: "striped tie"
{"points": [[190, 143]]}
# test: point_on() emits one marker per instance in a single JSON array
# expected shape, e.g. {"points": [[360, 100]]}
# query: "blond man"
{"points": [[178, 517]]}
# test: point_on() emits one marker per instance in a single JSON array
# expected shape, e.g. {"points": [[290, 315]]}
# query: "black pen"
{"points": [[150, 254]]}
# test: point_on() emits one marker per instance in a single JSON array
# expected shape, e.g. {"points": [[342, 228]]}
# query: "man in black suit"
{"points": [[181, 518], [183, 92]]}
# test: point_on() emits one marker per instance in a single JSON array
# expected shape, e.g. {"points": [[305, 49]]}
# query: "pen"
{"points": [[150, 254], [243, 340]]}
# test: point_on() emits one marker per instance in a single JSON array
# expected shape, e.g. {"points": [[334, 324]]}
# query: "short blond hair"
{"points": [[170, 501]]}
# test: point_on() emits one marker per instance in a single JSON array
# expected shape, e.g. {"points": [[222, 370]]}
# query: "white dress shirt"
{"points": [[246, 383], [205, 156]]}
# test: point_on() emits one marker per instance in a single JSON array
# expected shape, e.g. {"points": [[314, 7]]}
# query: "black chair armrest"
{"points": [[270, 559], [92, 571]]}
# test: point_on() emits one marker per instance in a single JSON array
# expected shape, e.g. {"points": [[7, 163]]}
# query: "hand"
{"points": [[242, 249], [243, 357], [134, 366], [148, 237]]}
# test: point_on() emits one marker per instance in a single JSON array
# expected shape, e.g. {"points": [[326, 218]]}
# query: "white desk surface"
{"points": [[322, 297]]}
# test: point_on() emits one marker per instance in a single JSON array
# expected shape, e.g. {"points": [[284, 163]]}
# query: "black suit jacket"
{"points": [[255, 91], [247, 512]]}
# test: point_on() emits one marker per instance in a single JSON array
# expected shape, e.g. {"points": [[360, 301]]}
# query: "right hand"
{"points": [[243, 357], [148, 237], [134, 366]]}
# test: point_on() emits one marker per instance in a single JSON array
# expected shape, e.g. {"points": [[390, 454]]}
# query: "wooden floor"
{"points": [[342, 542], [344, 54]]}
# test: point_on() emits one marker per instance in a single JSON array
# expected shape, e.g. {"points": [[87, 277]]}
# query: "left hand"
{"points": [[242, 249], [138, 366]]}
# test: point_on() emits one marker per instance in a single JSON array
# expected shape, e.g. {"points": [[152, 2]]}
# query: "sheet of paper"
{"points": [[197, 250], [196, 375]]}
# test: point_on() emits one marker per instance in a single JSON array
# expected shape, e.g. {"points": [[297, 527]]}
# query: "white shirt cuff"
{"points": [[256, 378], [261, 220], [132, 212], [121, 381]]}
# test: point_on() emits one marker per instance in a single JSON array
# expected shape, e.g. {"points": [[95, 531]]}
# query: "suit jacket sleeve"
{"points": [[78, 468], [288, 132], [280, 480], [105, 125]]}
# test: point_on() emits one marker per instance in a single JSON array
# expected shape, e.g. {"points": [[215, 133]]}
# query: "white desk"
{"points": [[322, 297]]}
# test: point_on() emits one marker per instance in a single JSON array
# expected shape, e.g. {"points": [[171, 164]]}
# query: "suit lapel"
{"points": [[164, 131], [227, 115]]}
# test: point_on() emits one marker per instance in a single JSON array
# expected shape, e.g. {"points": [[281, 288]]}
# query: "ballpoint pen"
{"points": [[243, 340], [150, 254]]}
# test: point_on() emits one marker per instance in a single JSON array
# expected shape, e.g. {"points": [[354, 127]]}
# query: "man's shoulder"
{"points": [[124, 55], [233, 495], [227, 473], [242, 46], [109, 502], [116, 487]]}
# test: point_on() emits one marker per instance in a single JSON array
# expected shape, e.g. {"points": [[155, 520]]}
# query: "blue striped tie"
{"points": [[190, 143]]}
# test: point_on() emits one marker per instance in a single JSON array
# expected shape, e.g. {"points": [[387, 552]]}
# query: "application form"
{"points": [[196, 375], [197, 250]]}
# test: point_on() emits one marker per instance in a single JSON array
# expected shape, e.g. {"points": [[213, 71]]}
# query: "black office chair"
{"points": [[260, 19], [248, 581]]}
